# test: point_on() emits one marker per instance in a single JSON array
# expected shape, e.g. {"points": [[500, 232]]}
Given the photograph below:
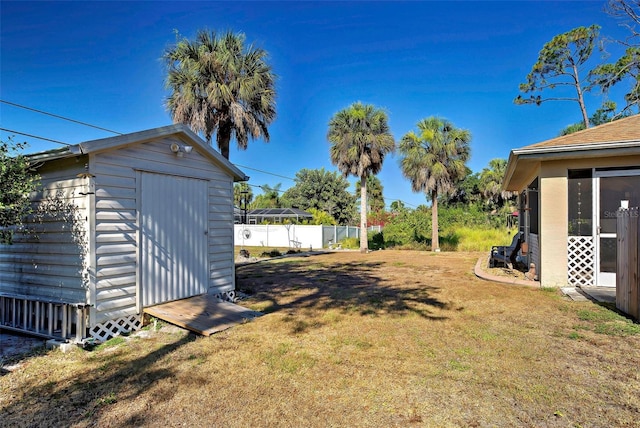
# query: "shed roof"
{"points": [[112, 143], [617, 138]]}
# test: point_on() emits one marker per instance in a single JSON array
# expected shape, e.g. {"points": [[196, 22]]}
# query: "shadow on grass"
{"points": [[359, 287], [83, 396]]}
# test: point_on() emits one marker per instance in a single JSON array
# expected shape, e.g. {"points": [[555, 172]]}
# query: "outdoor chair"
{"points": [[506, 256]]}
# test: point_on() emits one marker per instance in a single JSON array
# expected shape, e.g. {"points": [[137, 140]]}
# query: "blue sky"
{"points": [[99, 62]]}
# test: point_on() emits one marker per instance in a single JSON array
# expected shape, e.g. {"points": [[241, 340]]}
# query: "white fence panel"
{"points": [[291, 235]]}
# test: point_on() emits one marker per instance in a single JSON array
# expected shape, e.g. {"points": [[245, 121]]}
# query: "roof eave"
{"points": [[65, 152], [613, 145], [111, 143], [591, 151]]}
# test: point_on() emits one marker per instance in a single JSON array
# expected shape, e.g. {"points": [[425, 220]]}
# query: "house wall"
{"points": [[115, 254], [554, 213], [553, 224], [48, 261]]}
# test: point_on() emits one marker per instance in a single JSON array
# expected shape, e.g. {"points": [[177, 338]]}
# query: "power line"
{"points": [[261, 187], [120, 133], [265, 172], [59, 117], [35, 136]]}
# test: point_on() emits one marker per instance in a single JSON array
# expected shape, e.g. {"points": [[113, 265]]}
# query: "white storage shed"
{"points": [[120, 224]]}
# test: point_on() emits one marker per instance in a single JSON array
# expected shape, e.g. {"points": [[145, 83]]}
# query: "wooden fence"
{"points": [[627, 272]]}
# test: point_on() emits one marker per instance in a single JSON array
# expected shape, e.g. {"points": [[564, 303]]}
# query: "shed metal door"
{"points": [[173, 248]]}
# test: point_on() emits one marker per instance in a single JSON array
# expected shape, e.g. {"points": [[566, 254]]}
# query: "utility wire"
{"points": [[120, 133], [59, 117], [35, 136], [265, 172]]}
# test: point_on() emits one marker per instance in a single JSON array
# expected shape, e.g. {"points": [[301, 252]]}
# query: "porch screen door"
{"points": [[613, 187]]}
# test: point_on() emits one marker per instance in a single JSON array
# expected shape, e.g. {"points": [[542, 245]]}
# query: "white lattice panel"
{"points": [[227, 296], [107, 330], [581, 267]]}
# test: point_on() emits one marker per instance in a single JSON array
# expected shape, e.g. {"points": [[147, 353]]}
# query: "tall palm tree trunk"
{"points": [[435, 243], [363, 215], [223, 140]]}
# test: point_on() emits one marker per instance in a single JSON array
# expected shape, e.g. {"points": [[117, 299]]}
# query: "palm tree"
{"points": [[360, 139], [242, 194], [491, 182], [269, 198], [434, 159], [219, 85]]}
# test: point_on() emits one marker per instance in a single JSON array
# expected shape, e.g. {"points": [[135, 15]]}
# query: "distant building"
{"points": [[272, 216]]}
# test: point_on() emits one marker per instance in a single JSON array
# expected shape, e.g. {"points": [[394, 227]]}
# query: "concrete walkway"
{"points": [[578, 294], [482, 274], [599, 294]]}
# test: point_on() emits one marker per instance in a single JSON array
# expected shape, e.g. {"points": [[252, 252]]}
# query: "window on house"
{"points": [[580, 202]]}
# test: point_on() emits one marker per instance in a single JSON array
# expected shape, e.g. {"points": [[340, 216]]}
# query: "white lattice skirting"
{"points": [[581, 269], [227, 296], [107, 330]]}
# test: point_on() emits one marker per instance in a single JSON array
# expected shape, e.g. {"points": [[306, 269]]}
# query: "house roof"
{"points": [[279, 212], [105, 144], [617, 138]]}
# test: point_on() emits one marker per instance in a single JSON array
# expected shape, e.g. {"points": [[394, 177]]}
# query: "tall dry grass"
{"points": [[475, 239]]}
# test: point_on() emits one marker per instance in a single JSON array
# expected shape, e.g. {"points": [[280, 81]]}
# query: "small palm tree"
{"points": [[360, 138], [434, 159], [491, 182], [242, 194], [269, 198], [219, 85]]}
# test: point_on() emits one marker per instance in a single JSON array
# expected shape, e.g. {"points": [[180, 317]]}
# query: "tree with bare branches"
{"points": [[627, 67], [560, 64]]}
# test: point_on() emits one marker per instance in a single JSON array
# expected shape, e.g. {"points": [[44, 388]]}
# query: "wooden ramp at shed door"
{"points": [[203, 314]]}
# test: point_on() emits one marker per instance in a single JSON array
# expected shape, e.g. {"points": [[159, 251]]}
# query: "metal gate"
{"points": [[173, 238]]}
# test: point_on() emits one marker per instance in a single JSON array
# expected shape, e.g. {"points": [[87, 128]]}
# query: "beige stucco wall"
{"points": [[553, 213], [554, 224]]}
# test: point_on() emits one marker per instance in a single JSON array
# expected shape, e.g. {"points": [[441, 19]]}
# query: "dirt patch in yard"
{"points": [[15, 347], [502, 272], [390, 338]]}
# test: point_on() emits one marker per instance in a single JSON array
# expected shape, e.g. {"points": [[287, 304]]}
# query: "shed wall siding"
{"points": [[116, 220], [48, 261]]}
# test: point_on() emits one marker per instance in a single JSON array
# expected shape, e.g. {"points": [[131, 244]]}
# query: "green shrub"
{"points": [[272, 253], [408, 228], [462, 228], [376, 241], [469, 215], [350, 243]]}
